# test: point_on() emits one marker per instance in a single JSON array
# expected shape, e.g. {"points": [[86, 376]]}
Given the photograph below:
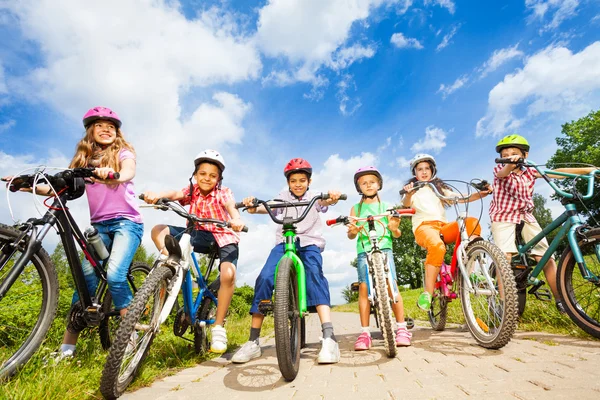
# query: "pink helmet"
{"points": [[367, 171], [97, 113]]}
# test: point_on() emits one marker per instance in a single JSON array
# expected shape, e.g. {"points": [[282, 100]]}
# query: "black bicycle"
{"points": [[28, 279]]}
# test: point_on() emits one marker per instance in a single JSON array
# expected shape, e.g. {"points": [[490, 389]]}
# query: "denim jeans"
{"points": [[362, 265], [121, 237]]}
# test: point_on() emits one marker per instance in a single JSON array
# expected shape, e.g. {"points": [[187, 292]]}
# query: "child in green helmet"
{"points": [[512, 204]]}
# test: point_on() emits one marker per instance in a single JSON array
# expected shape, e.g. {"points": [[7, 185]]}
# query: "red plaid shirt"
{"points": [[211, 206], [513, 196]]}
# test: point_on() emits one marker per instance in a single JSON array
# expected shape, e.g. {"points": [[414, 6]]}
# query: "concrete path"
{"points": [[439, 365]]}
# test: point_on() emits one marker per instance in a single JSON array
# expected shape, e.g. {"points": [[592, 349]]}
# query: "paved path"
{"points": [[439, 365]]}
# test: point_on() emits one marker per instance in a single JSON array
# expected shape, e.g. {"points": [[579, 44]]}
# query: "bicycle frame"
{"points": [[569, 221], [291, 253]]}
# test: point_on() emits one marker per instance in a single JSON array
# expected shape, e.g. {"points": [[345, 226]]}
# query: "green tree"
{"points": [[349, 295], [580, 143], [544, 218], [408, 257]]}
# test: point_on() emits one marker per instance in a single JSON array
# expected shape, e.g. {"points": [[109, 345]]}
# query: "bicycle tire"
{"points": [[35, 312], [109, 324], [438, 313], [286, 315], [303, 332], [207, 310], [121, 368], [383, 305], [492, 320], [584, 311]]}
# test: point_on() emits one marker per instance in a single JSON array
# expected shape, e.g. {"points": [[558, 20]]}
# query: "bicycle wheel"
{"points": [[287, 320], [520, 275], [28, 307], [491, 318], [581, 297], [303, 332], [383, 306], [138, 271], [438, 313], [207, 311], [142, 318]]}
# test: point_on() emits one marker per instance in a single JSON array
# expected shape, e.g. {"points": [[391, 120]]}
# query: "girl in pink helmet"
{"points": [[368, 183], [113, 207]]}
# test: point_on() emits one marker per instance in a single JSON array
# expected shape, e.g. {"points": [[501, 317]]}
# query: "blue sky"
{"points": [[342, 83]]}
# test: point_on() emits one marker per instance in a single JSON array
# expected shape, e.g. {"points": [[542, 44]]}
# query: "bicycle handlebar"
{"points": [[544, 174], [481, 186], [164, 204], [278, 203], [393, 212], [59, 180]]}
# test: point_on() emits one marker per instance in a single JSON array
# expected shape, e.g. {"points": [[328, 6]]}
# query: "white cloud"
{"points": [[499, 57], [434, 140], [400, 41], [446, 40], [448, 90], [552, 80], [403, 162], [561, 10], [7, 125], [346, 56], [3, 88], [448, 4], [348, 105]]}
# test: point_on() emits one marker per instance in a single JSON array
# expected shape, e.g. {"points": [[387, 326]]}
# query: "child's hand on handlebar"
{"points": [[353, 229], [249, 202], [393, 224], [151, 197], [103, 173], [334, 196], [409, 187], [236, 224]]}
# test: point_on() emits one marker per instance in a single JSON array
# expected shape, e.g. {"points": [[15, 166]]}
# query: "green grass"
{"points": [[79, 378], [539, 316]]}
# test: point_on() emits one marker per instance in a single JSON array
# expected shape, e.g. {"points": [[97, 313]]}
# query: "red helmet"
{"points": [[297, 165], [96, 113]]}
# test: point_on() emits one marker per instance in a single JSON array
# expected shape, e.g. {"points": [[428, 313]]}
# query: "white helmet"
{"points": [[212, 156], [420, 158]]}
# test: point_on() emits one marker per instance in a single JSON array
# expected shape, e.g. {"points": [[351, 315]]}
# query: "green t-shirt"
{"points": [[363, 244]]}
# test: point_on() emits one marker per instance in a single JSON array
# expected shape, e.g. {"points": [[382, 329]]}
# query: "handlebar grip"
{"points": [[141, 196], [406, 211], [245, 229], [239, 205], [114, 175], [330, 222], [325, 196], [402, 192], [343, 197], [508, 161]]}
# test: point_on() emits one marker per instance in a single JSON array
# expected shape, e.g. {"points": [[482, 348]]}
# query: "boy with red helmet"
{"points": [[311, 243]]}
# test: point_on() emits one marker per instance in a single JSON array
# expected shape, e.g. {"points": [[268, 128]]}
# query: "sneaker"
{"points": [[60, 356], [424, 301], [363, 342], [330, 352], [403, 337], [560, 307], [218, 344], [132, 344], [249, 351]]}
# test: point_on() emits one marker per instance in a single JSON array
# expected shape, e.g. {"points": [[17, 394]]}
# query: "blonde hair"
{"points": [[87, 146]]}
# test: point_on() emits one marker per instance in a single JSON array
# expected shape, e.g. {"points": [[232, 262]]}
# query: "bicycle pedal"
{"points": [[543, 295], [265, 306]]}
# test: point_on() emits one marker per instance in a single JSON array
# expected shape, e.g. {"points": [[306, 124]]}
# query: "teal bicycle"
{"points": [[289, 305], [578, 271]]}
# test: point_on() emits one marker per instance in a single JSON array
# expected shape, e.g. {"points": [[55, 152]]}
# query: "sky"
{"points": [[341, 83]]}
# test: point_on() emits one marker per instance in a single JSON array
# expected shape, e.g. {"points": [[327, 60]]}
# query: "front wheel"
{"points": [[286, 315], [383, 304], [138, 271], [28, 306], [581, 296], [490, 310], [135, 334]]}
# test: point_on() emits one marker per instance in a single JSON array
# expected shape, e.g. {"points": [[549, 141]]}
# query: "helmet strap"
{"points": [[370, 197]]}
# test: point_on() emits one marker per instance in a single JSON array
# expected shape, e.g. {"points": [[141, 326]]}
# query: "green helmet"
{"points": [[513, 140]]}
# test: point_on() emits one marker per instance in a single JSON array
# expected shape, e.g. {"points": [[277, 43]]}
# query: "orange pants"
{"points": [[428, 234]]}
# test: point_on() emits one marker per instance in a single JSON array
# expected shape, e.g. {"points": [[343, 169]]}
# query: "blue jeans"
{"points": [[121, 237], [362, 267]]}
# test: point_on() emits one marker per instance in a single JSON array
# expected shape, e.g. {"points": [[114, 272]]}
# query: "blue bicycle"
{"points": [[153, 303]]}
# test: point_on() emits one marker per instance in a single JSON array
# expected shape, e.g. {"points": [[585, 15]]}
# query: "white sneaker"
{"points": [[249, 351], [218, 343], [330, 352]]}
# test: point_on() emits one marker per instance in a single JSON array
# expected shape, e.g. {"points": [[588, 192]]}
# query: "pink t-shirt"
{"points": [[108, 201]]}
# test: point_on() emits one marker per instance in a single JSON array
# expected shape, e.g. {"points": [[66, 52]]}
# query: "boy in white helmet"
{"points": [[208, 199]]}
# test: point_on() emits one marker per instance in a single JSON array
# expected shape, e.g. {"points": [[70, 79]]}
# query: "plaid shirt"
{"points": [[513, 196], [211, 206]]}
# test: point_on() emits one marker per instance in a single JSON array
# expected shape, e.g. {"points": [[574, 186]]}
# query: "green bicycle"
{"points": [[289, 306], [578, 271]]}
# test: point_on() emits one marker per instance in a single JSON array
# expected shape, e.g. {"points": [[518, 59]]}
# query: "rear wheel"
{"points": [[206, 312], [286, 315], [138, 271], [383, 306], [28, 306], [581, 297], [135, 334], [490, 310]]}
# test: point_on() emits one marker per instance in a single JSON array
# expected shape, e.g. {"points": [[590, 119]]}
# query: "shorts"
{"points": [[362, 265], [504, 234], [204, 242]]}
